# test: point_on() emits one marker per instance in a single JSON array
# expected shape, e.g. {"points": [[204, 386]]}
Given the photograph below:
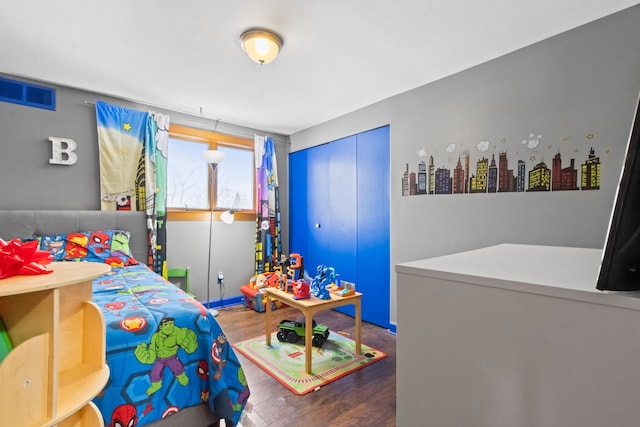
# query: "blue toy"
{"points": [[319, 285]]}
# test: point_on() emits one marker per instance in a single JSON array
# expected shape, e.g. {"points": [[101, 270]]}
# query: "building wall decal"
{"points": [[491, 175]]}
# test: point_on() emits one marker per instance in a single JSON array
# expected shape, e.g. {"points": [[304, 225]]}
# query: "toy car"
{"points": [[291, 330]]}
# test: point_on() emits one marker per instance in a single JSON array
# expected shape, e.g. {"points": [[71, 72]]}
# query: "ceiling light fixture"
{"points": [[262, 46]]}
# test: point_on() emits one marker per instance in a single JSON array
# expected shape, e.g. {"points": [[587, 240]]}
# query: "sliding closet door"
{"points": [[373, 225], [331, 208], [298, 187], [339, 214]]}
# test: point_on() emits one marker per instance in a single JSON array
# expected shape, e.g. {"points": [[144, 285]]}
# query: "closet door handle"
{"points": [[318, 225]]}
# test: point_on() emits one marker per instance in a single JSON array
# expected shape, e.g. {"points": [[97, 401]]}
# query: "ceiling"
{"points": [[338, 55]]}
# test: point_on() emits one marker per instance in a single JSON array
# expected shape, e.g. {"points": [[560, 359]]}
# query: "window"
{"points": [[235, 179], [189, 176]]}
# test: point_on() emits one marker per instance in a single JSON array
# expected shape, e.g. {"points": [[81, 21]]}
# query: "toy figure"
{"points": [[282, 266], [295, 270], [260, 282], [288, 270], [281, 269], [319, 285], [283, 283]]}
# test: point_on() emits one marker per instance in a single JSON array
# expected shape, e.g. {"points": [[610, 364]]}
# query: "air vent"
{"points": [[27, 94]]}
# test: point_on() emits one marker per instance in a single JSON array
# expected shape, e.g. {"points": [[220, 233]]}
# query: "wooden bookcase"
{"points": [[57, 364]]}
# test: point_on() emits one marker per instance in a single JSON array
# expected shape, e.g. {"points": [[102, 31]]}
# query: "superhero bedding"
{"points": [[165, 351]]}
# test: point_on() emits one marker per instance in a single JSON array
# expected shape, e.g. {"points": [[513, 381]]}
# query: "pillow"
{"points": [[54, 244], [108, 246]]}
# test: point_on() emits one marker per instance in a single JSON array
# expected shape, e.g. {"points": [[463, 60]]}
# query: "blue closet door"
{"points": [[322, 207], [332, 208], [298, 202], [339, 215], [373, 225]]}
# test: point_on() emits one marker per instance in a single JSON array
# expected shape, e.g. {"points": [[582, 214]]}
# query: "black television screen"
{"points": [[620, 267]]}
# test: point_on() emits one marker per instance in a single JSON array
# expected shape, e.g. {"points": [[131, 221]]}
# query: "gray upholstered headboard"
{"points": [[28, 223]]}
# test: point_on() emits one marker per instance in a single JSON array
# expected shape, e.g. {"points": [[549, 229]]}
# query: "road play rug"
{"points": [[285, 362]]}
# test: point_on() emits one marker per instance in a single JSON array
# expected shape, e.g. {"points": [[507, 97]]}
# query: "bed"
{"points": [[170, 363]]}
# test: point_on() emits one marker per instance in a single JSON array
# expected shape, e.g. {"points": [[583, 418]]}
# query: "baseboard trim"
{"points": [[223, 303]]}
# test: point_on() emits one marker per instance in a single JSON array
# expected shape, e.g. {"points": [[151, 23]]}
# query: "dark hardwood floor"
{"points": [[364, 398]]}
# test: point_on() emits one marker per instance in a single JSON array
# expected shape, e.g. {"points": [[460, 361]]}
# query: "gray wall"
{"points": [[585, 81], [28, 181]]}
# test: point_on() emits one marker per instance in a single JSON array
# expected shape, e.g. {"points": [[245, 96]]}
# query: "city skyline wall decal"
{"points": [[491, 175]]}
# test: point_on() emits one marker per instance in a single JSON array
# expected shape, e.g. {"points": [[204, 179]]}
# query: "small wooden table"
{"points": [[309, 307]]}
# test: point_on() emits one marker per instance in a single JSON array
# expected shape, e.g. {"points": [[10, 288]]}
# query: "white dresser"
{"points": [[515, 336]]}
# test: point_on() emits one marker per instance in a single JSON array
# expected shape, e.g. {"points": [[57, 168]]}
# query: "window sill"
{"points": [[202, 215]]}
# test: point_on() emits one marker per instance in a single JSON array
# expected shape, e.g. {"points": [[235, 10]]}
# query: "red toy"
{"points": [[301, 289]]}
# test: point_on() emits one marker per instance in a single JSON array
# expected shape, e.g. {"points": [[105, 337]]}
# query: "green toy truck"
{"points": [[292, 330]]}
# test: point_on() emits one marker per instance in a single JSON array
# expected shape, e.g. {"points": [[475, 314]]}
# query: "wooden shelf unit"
{"points": [[57, 364]]}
